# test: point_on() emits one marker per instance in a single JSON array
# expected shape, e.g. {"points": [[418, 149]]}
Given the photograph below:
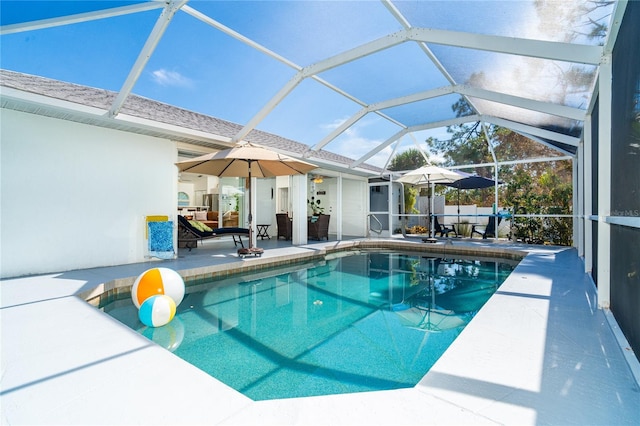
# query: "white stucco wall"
{"points": [[75, 196], [266, 204]]}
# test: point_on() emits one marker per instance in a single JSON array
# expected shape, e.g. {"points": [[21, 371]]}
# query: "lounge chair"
{"points": [[284, 226], [443, 230], [188, 235], [318, 227], [489, 229]]}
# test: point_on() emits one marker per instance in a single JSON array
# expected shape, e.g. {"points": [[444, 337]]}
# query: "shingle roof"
{"points": [[159, 112]]}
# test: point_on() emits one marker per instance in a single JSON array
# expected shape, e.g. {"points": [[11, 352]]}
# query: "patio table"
{"points": [[263, 231]]}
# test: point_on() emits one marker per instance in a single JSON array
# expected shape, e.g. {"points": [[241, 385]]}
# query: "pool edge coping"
{"points": [[119, 287]]}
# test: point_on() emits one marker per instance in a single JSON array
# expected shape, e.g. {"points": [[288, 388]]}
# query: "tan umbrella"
{"points": [[427, 175], [246, 160]]}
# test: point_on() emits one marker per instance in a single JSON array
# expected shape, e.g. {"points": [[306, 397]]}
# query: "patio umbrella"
{"points": [[246, 160], [470, 182], [427, 175], [463, 300]]}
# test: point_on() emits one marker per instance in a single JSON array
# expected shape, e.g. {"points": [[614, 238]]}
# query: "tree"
{"points": [[546, 190], [538, 187], [410, 159]]}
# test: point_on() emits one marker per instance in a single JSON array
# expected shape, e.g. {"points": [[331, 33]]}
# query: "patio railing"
{"points": [[378, 231], [556, 229]]}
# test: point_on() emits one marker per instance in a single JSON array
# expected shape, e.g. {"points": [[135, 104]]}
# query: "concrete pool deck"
{"points": [[539, 352]]}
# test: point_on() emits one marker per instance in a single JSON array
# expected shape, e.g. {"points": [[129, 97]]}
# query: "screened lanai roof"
{"points": [[354, 78]]}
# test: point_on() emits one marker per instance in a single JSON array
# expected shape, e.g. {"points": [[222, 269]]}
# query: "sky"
{"points": [[199, 68], [202, 69]]}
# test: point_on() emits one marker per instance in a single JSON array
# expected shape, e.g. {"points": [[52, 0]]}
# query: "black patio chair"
{"points": [[188, 235], [443, 230], [490, 229]]}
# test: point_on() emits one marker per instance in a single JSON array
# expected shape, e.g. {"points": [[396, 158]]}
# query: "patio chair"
{"points": [[318, 227], [443, 230], [490, 229], [188, 235], [284, 226]]}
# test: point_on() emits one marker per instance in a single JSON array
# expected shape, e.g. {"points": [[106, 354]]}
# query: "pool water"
{"points": [[363, 322]]}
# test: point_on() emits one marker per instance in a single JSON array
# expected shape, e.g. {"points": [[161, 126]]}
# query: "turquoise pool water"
{"points": [[363, 322]]}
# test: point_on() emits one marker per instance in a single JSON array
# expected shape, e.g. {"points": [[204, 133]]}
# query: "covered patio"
{"points": [[101, 99]]}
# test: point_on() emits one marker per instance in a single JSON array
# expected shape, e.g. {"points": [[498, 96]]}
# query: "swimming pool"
{"points": [[359, 322]]}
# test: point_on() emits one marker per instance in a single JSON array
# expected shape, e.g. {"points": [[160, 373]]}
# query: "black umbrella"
{"points": [[470, 182]]}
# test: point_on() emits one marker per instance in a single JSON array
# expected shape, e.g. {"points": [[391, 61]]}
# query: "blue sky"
{"points": [[201, 69]]}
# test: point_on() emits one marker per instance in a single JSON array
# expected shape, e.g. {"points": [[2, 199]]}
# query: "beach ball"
{"points": [[169, 336], [157, 311], [157, 281]]}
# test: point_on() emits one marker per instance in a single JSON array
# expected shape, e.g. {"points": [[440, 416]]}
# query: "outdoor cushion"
{"points": [[184, 222], [200, 226]]}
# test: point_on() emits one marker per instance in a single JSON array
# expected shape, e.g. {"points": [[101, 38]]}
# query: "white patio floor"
{"points": [[539, 352]]}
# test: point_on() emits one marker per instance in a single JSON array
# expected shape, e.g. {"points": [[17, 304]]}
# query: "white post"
{"points": [[495, 168], [496, 192], [578, 191], [575, 224], [389, 209], [588, 195], [299, 206], [432, 190], [338, 212], [604, 183], [253, 202]]}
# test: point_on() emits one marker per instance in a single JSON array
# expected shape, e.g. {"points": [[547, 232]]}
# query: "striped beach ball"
{"points": [[169, 336], [157, 281], [157, 311]]}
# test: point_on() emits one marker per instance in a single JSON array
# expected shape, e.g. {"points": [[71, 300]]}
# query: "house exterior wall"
{"points": [[75, 196]]}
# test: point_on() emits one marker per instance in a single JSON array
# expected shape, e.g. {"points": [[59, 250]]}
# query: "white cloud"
{"points": [[165, 77], [354, 145], [334, 124], [351, 143]]}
